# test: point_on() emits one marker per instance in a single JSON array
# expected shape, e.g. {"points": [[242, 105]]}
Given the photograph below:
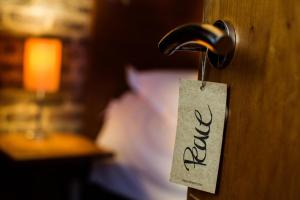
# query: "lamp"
{"points": [[42, 70]]}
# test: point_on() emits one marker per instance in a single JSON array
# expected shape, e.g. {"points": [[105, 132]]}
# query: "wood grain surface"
{"points": [[261, 151]]}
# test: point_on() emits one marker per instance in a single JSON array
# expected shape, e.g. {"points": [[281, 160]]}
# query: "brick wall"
{"points": [[62, 111]]}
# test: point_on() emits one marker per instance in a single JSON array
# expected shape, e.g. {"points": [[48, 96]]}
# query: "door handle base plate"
{"points": [[222, 61]]}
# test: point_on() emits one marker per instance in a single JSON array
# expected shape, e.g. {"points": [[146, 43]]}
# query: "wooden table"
{"points": [[53, 168]]}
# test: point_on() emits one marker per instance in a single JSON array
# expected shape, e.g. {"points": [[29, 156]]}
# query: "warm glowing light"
{"points": [[42, 64]]}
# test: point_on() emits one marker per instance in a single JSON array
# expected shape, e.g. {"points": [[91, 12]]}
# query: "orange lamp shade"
{"points": [[42, 64]]}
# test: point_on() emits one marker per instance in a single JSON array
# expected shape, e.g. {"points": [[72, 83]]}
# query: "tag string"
{"points": [[203, 68]]}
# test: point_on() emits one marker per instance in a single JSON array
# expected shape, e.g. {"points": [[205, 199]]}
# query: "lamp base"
{"points": [[38, 133]]}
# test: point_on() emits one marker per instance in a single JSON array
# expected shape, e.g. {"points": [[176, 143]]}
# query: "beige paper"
{"points": [[200, 125]]}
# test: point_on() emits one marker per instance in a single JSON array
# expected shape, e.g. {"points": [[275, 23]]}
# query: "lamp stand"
{"points": [[39, 133]]}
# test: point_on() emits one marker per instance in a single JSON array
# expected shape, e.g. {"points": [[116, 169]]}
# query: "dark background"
{"points": [[127, 32]]}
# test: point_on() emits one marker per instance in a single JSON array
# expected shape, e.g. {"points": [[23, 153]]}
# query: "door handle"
{"points": [[218, 39]]}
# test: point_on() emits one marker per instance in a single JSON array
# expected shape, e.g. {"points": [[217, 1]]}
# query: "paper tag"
{"points": [[200, 126]]}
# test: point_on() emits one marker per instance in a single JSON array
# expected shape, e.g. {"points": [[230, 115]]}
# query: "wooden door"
{"points": [[261, 146]]}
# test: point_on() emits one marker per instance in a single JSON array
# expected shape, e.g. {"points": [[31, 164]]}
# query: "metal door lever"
{"points": [[218, 38]]}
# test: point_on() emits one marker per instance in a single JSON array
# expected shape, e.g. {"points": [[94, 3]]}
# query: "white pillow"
{"points": [[140, 128], [159, 87], [143, 143]]}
